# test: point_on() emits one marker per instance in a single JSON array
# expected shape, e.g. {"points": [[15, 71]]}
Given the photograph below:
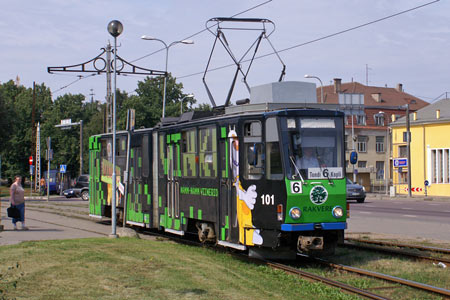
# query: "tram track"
{"points": [[396, 252], [377, 275], [399, 245], [365, 293]]}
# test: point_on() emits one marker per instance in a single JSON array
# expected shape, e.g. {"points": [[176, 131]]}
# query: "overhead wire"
{"points": [[197, 33], [318, 39], [201, 31]]}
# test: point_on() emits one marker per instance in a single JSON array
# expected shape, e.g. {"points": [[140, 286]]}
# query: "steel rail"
{"points": [[396, 252], [400, 245], [325, 280], [410, 283]]}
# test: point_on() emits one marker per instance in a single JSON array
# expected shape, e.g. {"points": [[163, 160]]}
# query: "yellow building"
{"points": [[430, 146]]}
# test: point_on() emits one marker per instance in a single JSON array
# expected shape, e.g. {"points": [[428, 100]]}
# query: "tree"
{"points": [[149, 101]]}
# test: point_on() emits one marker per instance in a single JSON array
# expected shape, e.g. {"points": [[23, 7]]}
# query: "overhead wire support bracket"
{"points": [[220, 35], [98, 65]]}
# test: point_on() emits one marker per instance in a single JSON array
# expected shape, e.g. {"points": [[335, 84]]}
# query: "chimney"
{"points": [[337, 85], [438, 113], [393, 118], [415, 116], [399, 87]]}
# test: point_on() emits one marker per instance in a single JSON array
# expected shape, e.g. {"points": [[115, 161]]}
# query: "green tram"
{"points": [[239, 178]]}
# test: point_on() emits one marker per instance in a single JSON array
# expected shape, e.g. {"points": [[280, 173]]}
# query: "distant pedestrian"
{"points": [[17, 199], [42, 186]]}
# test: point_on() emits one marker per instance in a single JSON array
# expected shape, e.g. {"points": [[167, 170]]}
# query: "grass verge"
{"points": [[128, 268]]}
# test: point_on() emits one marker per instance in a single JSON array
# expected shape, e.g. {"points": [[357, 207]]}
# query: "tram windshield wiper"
{"points": [[320, 161], [297, 171]]}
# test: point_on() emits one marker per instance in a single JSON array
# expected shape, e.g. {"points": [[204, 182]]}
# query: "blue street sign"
{"points": [[31, 170], [62, 168], [400, 162], [427, 183]]}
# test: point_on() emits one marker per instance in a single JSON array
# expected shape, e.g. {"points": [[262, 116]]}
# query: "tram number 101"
{"points": [[268, 199]]}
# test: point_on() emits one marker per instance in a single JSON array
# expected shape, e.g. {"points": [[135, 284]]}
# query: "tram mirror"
{"points": [[353, 157]]}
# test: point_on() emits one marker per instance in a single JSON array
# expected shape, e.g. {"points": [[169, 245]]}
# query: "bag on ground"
{"points": [[13, 212]]}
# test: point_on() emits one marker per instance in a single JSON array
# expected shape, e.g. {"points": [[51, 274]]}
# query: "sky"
{"points": [[411, 48]]}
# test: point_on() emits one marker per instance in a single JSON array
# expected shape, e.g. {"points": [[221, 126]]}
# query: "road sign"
{"points": [[400, 162], [62, 168], [414, 189], [427, 183], [31, 169], [30, 160]]}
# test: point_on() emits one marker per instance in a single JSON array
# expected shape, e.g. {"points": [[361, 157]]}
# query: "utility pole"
{"points": [[37, 177], [33, 128], [408, 149], [108, 89]]}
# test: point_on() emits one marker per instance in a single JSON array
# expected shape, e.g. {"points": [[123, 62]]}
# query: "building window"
{"points": [[346, 142], [379, 144], [402, 151], [380, 170], [405, 136], [362, 143], [362, 164], [440, 166], [379, 120], [361, 119]]}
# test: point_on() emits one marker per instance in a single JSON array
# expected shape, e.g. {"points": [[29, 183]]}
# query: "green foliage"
{"points": [[16, 105]]}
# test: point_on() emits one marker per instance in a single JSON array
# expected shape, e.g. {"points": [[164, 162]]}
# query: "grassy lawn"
{"points": [[128, 268], [4, 191]]}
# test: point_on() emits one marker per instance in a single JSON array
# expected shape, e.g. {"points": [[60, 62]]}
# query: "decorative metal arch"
{"points": [[98, 65]]}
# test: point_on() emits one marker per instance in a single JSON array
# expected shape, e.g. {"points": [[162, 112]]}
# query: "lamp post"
{"points": [[321, 85], [115, 28], [150, 38], [181, 102]]}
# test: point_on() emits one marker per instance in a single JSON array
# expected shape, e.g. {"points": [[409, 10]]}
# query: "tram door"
{"points": [[173, 186]]}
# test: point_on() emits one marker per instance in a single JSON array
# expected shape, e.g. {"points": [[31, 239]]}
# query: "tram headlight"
{"points": [[295, 213], [338, 212]]}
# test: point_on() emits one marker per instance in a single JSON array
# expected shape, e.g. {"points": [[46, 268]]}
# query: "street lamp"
{"points": [[150, 38], [181, 102], [115, 28], [321, 85]]}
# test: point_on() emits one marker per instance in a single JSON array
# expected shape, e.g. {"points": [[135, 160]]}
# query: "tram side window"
{"points": [[274, 169], [145, 156], [208, 152], [253, 150], [188, 153], [162, 155]]}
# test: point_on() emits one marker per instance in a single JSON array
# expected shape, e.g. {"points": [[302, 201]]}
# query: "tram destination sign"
{"points": [[325, 173]]}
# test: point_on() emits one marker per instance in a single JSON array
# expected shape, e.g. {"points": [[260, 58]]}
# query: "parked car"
{"points": [[355, 192], [81, 188]]}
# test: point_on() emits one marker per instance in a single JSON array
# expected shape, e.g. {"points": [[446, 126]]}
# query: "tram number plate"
{"points": [[296, 187]]}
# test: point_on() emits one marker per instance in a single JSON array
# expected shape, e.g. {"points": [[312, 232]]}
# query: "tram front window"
{"points": [[316, 148]]}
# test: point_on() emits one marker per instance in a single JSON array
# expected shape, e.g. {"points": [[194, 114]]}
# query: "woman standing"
{"points": [[17, 198]]}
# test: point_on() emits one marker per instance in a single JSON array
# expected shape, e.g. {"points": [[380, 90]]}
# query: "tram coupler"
{"points": [[306, 243]]}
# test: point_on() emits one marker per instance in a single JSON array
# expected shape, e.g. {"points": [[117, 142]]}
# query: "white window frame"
{"points": [[438, 165]]}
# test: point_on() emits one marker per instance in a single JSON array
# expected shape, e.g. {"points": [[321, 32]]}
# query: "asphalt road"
{"points": [[406, 218], [402, 218]]}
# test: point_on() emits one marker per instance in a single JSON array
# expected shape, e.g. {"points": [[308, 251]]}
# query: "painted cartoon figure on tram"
{"points": [[246, 199]]}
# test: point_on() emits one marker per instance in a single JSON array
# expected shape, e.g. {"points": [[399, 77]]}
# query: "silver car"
{"points": [[355, 192]]}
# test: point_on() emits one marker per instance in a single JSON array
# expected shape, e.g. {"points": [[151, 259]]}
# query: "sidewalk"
{"points": [[406, 198], [44, 225]]}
